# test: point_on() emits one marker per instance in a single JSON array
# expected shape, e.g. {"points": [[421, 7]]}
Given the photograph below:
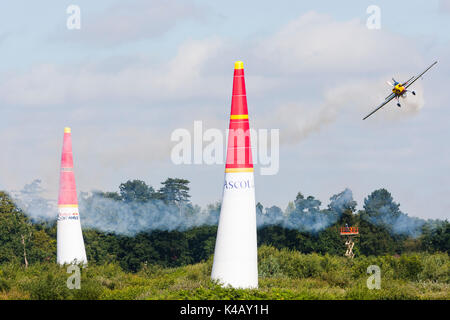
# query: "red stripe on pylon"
{"points": [[239, 152], [67, 188]]}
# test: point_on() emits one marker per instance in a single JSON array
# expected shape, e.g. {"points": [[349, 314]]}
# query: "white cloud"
{"points": [[318, 43], [133, 21], [183, 77]]}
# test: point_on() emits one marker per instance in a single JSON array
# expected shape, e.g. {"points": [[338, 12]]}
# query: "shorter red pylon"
{"points": [[70, 244]]}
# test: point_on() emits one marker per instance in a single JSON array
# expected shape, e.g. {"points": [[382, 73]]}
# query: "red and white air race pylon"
{"points": [[235, 255], [70, 244]]}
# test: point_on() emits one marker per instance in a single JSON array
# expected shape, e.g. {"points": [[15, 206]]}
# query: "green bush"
{"points": [[268, 262], [129, 293], [47, 287], [435, 268], [4, 285], [90, 290], [284, 274], [410, 267]]}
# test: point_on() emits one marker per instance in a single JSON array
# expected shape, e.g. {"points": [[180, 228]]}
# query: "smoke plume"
{"points": [[305, 215], [299, 120], [31, 201], [129, 218]]}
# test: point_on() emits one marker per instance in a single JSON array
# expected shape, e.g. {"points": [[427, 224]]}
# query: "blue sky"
{"points": [[135, 72]]}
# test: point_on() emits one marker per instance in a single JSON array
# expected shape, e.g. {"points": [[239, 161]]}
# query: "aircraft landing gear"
{"points": [[398, 105], [413, 92]]}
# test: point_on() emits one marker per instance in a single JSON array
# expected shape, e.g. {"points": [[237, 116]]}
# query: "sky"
{"points": [[136, 71]]}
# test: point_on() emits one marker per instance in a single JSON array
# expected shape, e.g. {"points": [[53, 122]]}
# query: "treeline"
{"points": [[303, 226]]}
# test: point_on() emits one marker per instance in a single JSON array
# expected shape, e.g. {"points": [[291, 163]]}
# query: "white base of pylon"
{"points": [[235, 255], [70, 243]]}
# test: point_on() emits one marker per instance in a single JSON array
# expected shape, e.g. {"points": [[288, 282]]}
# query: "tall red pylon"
{"points": [[70, 244], [235, 256]]}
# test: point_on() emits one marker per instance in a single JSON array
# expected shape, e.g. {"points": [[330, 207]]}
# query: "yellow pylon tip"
{"points": [[239, 65]]}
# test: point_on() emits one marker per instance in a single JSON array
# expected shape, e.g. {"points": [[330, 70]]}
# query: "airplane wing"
{"points": [[388, 98], [408, 83]]}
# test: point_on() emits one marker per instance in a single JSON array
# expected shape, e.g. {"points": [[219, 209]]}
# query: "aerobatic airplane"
{"points": [[399, 90]]}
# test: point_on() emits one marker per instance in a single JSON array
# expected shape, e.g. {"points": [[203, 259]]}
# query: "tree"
{"points": [[175, 191], [290, 208], [110, 195], [213, 209], [374, 239], [380, 206], [307, 215], [308, 205], [436, 236], [20, 241], [271, 216], [259, 208], [136, 191], [14, 229], [342, 201], [274, 213]]}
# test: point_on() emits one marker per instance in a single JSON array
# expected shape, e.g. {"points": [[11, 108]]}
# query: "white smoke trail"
{"points": [[298, 120]]}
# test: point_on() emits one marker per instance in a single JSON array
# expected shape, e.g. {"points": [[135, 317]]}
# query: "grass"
{"points": [[284, 275]]}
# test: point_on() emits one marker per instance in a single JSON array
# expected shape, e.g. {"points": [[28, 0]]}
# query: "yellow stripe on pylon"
{"points": [[231, 170], [238, 116], [67, 205]]}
